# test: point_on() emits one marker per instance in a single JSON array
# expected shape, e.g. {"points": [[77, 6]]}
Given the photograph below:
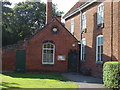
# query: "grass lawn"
{"points": [[25, 80]]}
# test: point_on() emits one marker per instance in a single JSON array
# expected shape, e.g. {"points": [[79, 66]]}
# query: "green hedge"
{"points": [[111, 74]]}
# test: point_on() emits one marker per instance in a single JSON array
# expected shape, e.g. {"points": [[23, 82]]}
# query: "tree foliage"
{"points": [[23, 20], [7, 15]]}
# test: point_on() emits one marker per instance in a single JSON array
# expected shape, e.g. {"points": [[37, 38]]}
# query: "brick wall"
{"points": [[119, 28], [76, 25], [9, 57], [68, 24], [8, 60], [107, 32], [63, 43], [93, 32], [116, 31]]}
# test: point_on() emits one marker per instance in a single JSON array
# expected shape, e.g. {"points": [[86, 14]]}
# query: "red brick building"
{"points": [[46, 51], [96, 25], [92, 31]]}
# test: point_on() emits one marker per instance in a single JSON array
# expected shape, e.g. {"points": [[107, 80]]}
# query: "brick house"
{"points": [[96, 25], [91, 29], [46, 51]]}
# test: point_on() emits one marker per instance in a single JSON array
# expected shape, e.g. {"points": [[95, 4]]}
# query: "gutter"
{"points": [[111, 30], [80, 8], [81, 31]]}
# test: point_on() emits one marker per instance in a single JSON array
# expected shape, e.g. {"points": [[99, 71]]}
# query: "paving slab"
{"points": [[84, 81]]}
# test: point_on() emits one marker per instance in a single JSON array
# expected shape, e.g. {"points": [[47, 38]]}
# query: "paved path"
{"points": [[84, 81]]}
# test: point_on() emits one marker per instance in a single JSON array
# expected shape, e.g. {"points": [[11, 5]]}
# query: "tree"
{"points": [[7, 15], [55, 11], [30, 16], [27, 18]]}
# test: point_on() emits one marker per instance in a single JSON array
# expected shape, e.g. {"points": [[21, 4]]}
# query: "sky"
{"points": [[63, 5]]}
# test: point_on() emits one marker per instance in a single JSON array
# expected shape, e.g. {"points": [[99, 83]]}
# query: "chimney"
{"points": [[48, 11]]}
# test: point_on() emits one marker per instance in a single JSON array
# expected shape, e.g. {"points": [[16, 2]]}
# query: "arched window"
{"points": [[48, 53], [99, 48]]}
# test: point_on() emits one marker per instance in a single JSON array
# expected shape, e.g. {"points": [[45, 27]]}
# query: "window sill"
{"points": [[82, 60], [99, 62], [47, 64]]}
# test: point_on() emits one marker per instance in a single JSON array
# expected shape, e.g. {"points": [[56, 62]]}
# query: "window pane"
{"points": [[44, 51], [102, 7], [101, 57], [98, 57], [52, 46], [99, 45], [51, 58], [83, 49], [101, 53], [44, 57], [101, 40], [98, 49], [45, 46], [83, 20], [48, 53], [72, 25], [101, 49], [100, 14], [98, 18], [98, 9], [48, 45]]}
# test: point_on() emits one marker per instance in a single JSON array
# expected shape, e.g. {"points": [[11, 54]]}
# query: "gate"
{"points": [[72, 61], [20, 60]]}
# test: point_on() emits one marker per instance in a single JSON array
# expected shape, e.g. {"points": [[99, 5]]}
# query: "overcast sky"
{"points": [[63, 5]]}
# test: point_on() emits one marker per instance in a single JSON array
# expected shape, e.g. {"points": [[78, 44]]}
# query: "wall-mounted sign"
{"points": [[61, 57]]}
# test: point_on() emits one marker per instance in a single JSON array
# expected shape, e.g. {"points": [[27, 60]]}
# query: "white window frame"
{"points": [[100, 14], [83, 21], [83, 51], [48, 49], [101, 38], [72, 26]]}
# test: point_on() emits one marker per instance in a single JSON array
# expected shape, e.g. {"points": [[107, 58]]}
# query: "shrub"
{"points": [[111, 74]]}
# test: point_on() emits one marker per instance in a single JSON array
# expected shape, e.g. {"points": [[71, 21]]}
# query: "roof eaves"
{"points": [[66, 29], [48, 24], [41, 28], [80, 8]]}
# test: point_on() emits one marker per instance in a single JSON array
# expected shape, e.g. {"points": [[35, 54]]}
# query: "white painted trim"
{"points": [[84, 13], [53, 53], [80, 8], [72, 21], [80, 23], [102, 4], [99, 36]]}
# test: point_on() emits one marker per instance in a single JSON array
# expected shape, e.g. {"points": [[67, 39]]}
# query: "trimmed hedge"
{"points": [[111, 74]]}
